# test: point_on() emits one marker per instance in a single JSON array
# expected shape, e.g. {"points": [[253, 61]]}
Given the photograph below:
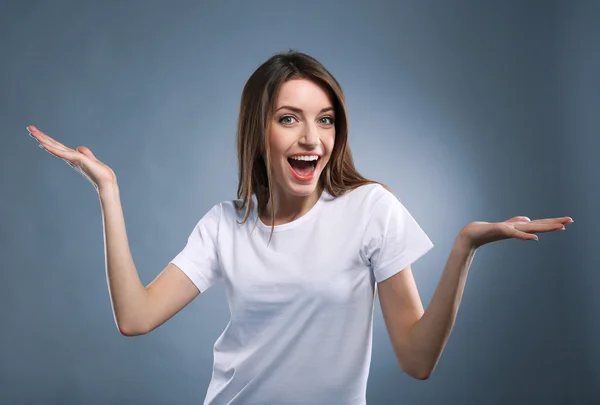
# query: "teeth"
{"points": [[308, 158]]}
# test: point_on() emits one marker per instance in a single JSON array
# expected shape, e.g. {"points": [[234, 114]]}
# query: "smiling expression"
{"points": [[301, 138]]}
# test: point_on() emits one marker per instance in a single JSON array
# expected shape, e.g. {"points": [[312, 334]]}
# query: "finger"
{"points": [[57, 150], [46, 142], [43, 138], [515, 233], [64, 153], [34, 133], [56, 145], [532, 227], [37, 134], [560, 220]]}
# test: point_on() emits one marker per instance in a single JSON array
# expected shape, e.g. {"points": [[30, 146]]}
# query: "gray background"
{"points": [[468, 110]]}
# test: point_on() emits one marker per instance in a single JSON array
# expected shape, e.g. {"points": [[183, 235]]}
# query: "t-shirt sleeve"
{"points": [[394, 239], [199, 258]]}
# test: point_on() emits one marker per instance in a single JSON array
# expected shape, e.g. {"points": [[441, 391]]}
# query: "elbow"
{"points": [[421, 374], [418, 371], [130, 330], [127, 332]]}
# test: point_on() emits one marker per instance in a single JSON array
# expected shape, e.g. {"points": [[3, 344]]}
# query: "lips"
{"points": [[304, 169], [311, 154]]}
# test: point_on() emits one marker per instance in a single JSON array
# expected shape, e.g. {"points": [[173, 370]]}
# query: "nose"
{"points": [[309, 137]]}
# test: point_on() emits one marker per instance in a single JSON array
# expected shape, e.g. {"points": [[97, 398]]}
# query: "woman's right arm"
{"points": [[137, 309]]}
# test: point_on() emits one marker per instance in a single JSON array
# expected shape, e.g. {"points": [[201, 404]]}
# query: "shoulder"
{"points": [[378, 203], [361, 202], [231, 211], [370, 195], [223, 210]]}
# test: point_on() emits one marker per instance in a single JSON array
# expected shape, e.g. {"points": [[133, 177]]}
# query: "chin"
{"points": [[302, 190]]}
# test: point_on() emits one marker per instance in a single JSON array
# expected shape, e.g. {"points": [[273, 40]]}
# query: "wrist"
{"points": [[108, 189], [464, 243]]}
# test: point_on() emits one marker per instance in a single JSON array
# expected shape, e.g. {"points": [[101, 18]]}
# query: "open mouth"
{"points": [[303, 167]]}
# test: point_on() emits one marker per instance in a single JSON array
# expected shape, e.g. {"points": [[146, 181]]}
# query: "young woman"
{"points": [[301, 253]]}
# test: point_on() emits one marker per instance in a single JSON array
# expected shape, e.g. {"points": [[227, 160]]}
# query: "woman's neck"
{"points": [[290, 207]]}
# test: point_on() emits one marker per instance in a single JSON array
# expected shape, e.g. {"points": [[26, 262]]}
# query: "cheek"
{"points": [[329, 142], [276, 146]]}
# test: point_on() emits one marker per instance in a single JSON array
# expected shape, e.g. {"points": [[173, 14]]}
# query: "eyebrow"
{"points": [[299, 110]]}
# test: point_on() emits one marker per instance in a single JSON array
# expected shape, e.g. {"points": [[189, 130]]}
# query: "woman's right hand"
{"points": [[81, 159]]}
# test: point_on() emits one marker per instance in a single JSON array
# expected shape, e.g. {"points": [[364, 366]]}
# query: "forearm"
{"points": [[127, 293], [430, 334]]}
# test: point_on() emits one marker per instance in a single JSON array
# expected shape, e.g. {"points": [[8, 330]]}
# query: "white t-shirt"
{"points": [[302, 305]]}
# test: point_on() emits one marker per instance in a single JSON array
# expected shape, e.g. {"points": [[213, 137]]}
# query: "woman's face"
{"points": [[301, 138]]}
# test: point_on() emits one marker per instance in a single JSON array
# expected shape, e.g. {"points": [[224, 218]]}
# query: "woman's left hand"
{"points": [[478, 234]]}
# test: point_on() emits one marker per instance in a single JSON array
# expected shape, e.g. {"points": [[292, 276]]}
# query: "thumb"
{"points": [[87, 152], [519, 219]]}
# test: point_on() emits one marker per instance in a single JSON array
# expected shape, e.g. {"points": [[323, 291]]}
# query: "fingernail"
{"points": [[536, 239], [41, 146]]}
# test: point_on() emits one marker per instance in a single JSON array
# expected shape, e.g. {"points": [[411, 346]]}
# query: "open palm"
{"points": [[481, 233], [81, 159]]}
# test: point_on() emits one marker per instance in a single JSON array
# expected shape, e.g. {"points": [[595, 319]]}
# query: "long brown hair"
{"points": [[256, 112]]}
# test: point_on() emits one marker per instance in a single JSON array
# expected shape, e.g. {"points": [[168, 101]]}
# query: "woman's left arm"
{"points": [[418, 336]]}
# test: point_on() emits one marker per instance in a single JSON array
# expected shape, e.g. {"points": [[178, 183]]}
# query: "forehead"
{"points": [[304, 94]]}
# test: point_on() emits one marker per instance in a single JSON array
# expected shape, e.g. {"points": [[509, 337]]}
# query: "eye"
{"points": [[287, 119], [327, 120]]}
